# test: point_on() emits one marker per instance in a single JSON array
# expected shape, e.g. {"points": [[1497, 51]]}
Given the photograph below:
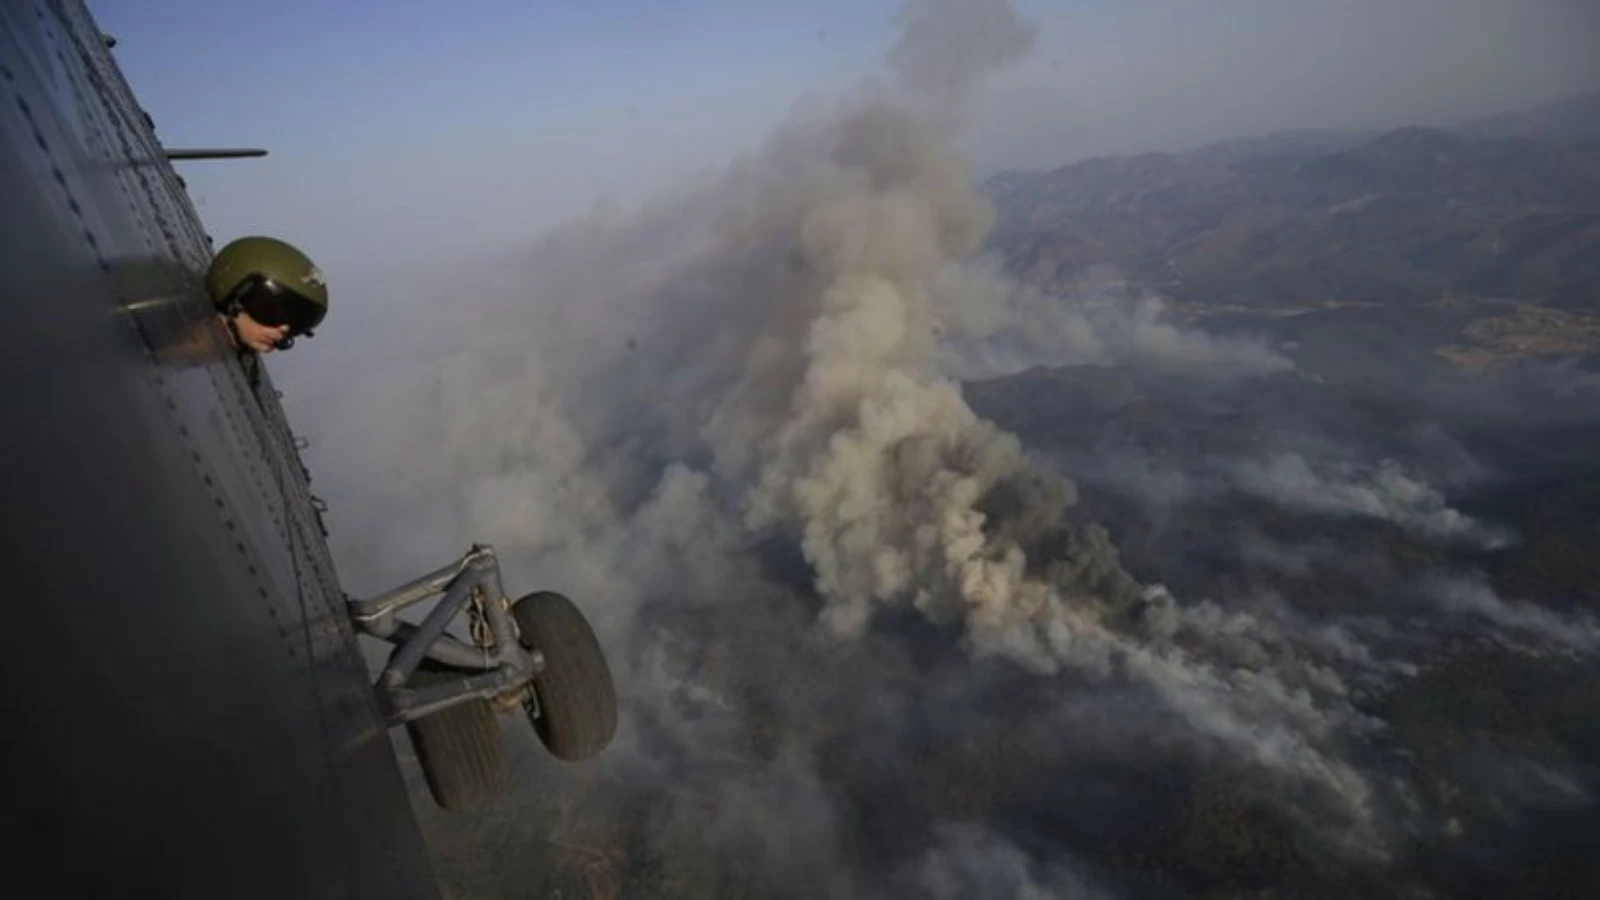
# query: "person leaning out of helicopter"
{"points": [[267, 293]]}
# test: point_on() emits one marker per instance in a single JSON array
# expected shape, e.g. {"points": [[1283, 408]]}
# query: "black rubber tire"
{"points": [[461, 749], [577, 701]]}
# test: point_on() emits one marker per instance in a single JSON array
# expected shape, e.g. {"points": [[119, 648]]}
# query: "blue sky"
{"points": [[405, 127], [420, 128], [411, 125]]}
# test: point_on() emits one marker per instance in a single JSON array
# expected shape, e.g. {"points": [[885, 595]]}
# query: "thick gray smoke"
{"points": [[742, 398], [838, 263]]}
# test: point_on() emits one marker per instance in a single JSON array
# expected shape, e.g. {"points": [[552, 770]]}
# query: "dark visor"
{"points": [[271, 303]]}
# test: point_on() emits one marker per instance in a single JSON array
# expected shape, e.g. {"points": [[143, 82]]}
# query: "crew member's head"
{"points": [[270, 292]]}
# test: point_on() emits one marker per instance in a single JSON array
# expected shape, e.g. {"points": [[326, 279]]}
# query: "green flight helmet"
{"points": [[271, 280]]}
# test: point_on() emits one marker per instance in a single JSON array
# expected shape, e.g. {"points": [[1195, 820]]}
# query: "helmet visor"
{"points": [[270, 303]]}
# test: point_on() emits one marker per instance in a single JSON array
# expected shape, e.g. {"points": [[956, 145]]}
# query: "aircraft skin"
{"points": [[185, 712]]}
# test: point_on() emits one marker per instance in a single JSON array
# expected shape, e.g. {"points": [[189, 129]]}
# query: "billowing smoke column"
{"points": [[786, 323], [847, 436], [639, 416], [836, 266]]}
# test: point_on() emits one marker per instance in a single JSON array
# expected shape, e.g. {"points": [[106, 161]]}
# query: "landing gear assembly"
{"points": [[537, 655]]}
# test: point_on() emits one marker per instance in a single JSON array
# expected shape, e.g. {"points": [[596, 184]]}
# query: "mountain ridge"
{"points": [[1499, 217]]}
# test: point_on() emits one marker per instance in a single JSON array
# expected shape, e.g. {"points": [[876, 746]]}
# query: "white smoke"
{"points": [[1328, 483], [853, 443], [1344, 489], [1002, 327], [1523, 625], [760, 359]]}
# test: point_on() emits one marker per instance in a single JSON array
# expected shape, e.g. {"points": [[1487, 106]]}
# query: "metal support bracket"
{"points": [[493, 665]]}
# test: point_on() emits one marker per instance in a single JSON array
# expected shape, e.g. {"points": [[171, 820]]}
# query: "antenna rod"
{"points": [[214, 153]]}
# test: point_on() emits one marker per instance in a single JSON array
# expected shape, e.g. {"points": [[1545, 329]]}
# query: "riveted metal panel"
{"points": [[186, 713]]}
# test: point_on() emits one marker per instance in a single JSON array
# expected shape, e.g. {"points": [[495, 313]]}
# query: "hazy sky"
{"points": [[1170, 74], [403, 130]]}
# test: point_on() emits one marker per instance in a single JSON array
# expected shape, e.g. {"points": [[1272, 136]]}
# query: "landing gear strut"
{"points": [[538, 654]]}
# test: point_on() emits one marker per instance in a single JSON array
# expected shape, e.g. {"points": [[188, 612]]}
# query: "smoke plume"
{"points": [[729, 426]]}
